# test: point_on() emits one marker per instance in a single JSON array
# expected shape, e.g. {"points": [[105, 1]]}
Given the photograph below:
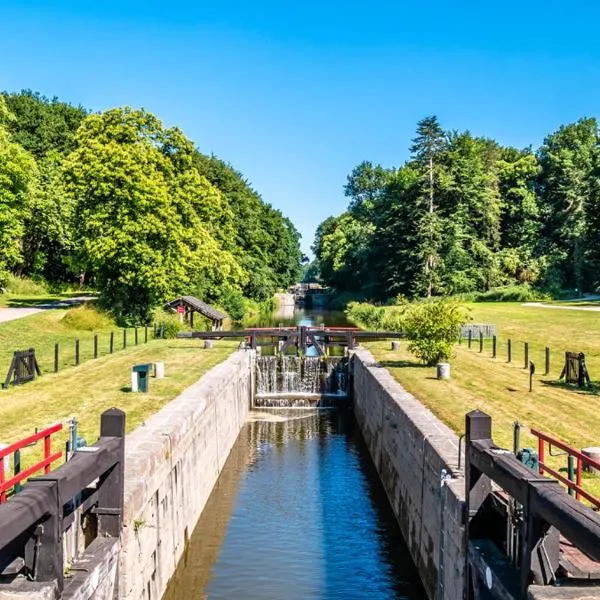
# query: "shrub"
{"points": [[168, 323], [23, 286], [432, 328], [234, 304], [87, 318]]}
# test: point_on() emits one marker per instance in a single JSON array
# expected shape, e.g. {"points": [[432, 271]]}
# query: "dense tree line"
{"points": [[134, 208], [466, 214]]}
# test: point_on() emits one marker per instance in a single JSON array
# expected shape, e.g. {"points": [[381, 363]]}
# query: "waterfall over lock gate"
{"points": [[300, 381]]}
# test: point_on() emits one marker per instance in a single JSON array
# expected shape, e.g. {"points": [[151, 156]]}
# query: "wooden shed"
{"points": [[192, 305]]}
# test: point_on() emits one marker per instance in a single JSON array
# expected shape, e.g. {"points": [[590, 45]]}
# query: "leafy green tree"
{"points": [[364, 187], [568, 159], [17, 176], [41, 124]]}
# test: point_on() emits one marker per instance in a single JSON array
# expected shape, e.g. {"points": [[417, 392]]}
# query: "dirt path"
{"points": [[10, 314], [561, 307]]}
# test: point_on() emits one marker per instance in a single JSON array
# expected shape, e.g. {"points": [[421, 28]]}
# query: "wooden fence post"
{"points": [[124, 338], [136, 335], [95, 345], [470, 337], [509, 350], [481, 341], [56, 357], [547, 361], [77, 352], [112, 342], [494, 342], [145, 334], [526, 355], [154, 335]]}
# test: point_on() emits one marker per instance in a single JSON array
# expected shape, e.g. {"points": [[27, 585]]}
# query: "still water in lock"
{"points": [[298, 513]]}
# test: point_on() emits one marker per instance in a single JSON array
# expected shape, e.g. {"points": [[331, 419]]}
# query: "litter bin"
{"points": [[140, 374]]}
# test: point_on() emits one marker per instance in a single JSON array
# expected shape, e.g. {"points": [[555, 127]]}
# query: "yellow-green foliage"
{"points": [[23, 286], [87, 318], [377, 318], [169, 323]]}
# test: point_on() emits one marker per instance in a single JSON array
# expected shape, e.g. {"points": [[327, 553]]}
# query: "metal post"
{"points": [[516, 437], [112, 342], [494, 344], [77, 352], [571, 470], [56, 357], [17, 469], [95, 346], [509, 350], [547, 361], [525, 355], [480, 342]]}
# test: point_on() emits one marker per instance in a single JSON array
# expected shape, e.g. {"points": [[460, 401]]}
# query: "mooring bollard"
{"points": [[443, 370], [208, 344], [395, 346]]}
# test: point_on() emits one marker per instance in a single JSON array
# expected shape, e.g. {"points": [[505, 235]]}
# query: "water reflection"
{"points": [[298, 513], [289, 316]]}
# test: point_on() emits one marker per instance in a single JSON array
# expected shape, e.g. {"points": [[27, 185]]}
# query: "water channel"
{"points": [[297, 513]]}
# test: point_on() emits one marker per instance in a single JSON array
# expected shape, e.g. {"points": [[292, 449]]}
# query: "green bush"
{"points": [[432, 328], [234, 304], [168, 323], [87, 318], [509, 293], [23, 286], [377, 318]]}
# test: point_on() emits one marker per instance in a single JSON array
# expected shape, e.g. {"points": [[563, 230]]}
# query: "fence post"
{"points": [[480, 341], [77, 352], [525, 355], [494, 342], [124, 338], [95, 345], [470, 337], [56, 357], [111, 486], [509, 350], [112, 342], [547, 361], [571, 471], [145, 334], [136, 336], [154, 334], [17, 469]]}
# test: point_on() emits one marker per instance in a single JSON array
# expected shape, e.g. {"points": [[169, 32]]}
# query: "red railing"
{"points": [[581, 458], [16, 447]]}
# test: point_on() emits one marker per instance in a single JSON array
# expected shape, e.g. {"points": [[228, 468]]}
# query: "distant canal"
{"points": [[298, 513], [288, 316]]}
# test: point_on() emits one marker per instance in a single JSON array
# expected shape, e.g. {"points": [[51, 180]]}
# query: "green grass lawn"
{"points": [[502, 389], [42, 330], [86, 391]]}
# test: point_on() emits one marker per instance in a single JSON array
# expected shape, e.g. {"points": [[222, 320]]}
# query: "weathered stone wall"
{"points": [[172, 462], [411, 449]]}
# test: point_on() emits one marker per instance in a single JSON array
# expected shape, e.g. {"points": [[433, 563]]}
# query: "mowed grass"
{"points": [[86, 391], [502, 389], [42, 330]]}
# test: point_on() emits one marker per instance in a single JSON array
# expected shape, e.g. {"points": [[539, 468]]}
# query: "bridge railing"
{"points": [[33, 522]]}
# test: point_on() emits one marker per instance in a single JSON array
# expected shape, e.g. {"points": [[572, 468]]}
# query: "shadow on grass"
{"points": [[399, 364], [126, 389], [30, 302], [592, 390]]}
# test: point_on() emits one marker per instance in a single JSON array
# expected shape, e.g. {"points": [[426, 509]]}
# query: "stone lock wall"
{"points": [[411, 448], [172, 462]]}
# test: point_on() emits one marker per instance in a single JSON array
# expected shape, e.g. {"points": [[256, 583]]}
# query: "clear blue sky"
{"points": [[295, 94]]}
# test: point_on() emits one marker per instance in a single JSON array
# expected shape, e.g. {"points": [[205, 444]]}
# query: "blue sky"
{"points": [[296, 94]]}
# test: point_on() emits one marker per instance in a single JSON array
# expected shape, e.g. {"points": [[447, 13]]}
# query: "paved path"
{"points": [[10, 314], [562, 307]]}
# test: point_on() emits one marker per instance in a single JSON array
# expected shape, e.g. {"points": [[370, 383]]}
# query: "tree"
{"points": [[17, 175], [364, 186], [568, 159]]}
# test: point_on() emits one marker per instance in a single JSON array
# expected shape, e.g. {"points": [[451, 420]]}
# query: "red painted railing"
{"points": [[582, 460], [45, 463]]}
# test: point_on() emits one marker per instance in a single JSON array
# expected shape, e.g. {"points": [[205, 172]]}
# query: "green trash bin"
{"points": [[141, 374]]}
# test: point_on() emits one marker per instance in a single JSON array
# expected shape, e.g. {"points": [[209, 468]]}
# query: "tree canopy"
{"points": [[466, 214]]}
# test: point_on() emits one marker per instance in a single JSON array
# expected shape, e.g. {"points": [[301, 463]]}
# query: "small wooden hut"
{"points": [[192, 305]]}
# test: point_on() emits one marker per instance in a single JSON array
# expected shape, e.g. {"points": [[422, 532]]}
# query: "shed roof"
{"points": [[205, 309]]}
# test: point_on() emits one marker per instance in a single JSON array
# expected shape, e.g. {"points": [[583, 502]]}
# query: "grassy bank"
{"points": [[502, 389], [86, 391]]}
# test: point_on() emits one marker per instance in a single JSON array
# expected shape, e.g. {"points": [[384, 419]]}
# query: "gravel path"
{"points": [[10, 314], [561, 307]]}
